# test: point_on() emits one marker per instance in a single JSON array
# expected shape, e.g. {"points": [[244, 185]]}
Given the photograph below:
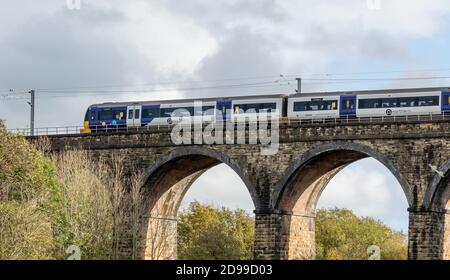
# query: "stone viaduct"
{"points": [[285, 187]]}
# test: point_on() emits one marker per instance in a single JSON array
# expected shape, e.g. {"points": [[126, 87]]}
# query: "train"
{"points": [[299, 106]]}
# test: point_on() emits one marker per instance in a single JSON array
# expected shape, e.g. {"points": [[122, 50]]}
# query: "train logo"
{"points": [[389, 112]]}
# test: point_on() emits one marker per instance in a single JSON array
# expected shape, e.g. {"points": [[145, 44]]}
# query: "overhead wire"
{"points": [[285, 81]]}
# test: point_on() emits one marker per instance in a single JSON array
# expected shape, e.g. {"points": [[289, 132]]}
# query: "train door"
{"points": [[134, 113], [445, 102], [347, 106], [224, 106]]}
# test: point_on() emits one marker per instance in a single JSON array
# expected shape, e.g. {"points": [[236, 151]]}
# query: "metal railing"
{"points": [[47, 130], [284, 122]]}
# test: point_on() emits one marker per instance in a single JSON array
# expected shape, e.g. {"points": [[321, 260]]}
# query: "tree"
{"points": [[341, 235], [205, 232], [33, 221]]}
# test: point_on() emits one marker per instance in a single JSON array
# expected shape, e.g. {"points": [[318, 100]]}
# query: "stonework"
{"points": [[446, 236], [285, 187]]}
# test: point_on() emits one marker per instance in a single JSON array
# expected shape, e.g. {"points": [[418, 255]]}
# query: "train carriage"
{"points": [[313, 107], [403, 104], [303, 106], [138, 114]]}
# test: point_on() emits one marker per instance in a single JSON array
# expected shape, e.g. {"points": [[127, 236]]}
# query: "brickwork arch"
{"points": [[165, 184], [185, 161], [318, 166], [299, 189]]}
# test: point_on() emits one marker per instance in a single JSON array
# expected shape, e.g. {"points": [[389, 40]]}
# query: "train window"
{"points": [[369, 103], [389, 102], [130, 115], [150, 113], [208, 110], [428, 101], [205, 110], [268, 106], [110, 115], [181, 111], [254, 107], [136, 113], [315, 105], [299, 106], [407, 102]]}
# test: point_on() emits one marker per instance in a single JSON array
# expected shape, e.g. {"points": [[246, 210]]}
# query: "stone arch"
{"points": [[298, 191], [166, 183], [335, 156], [437, 200]]}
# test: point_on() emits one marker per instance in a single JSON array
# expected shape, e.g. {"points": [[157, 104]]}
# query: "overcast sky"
{"points": [[180, 44]]}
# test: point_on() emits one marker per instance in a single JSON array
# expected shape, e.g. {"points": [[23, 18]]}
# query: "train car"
{"points": [[374, 103], [154, 113], [313, 107], [244, 109], [399, 104]]}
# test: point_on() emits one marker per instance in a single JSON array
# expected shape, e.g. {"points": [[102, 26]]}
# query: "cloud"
{"points": [[114, 42]]}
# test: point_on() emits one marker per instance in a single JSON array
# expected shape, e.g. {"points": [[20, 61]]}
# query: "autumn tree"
{"points": [[341, 235], [205, 232]]}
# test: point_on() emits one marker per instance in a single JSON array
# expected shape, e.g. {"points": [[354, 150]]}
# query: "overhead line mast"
{"points": [[32, 102]]}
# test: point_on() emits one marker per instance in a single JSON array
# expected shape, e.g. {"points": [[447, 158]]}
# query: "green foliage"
{"points": [[205, 232], [32, 202], [341, 235]]}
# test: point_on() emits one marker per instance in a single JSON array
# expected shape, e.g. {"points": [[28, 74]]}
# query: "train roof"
{"points": [[368, 92], [305, 94], [209, 99]]}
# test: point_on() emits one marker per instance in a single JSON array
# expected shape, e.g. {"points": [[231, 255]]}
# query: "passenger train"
{"points": [[300, 106]]}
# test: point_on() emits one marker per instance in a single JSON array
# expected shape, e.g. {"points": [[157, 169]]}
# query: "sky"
{"points": [[112, 50]]}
